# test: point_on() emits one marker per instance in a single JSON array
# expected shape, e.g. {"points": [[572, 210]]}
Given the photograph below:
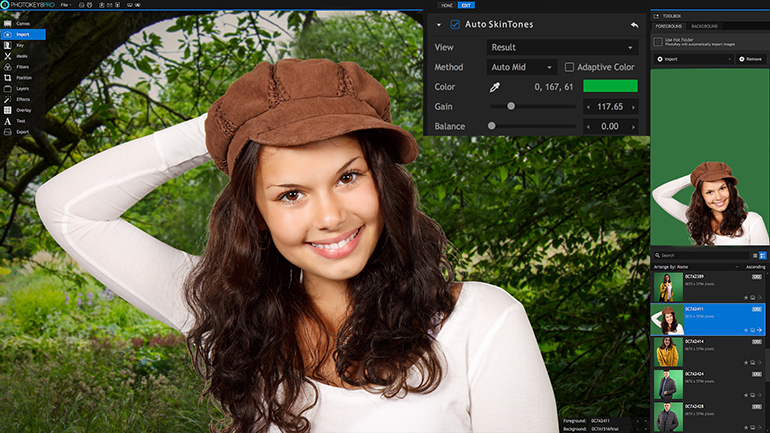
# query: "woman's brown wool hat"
{"points": [[711, 171], [295, 102]]}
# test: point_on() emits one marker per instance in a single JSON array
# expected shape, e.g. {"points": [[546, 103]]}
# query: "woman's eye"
{"points": [[349, 177], [290, 196]]}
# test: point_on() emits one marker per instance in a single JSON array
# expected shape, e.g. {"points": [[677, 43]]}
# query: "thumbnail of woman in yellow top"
{"points": [[666, 290], [667, 353]]}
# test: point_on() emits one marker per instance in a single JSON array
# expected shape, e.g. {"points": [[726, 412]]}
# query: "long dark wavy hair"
{"points": [[251, 311], [699, 216], [664, 324], [663, 343]]}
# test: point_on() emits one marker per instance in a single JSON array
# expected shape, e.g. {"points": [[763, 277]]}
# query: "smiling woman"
{"points": [[717, 215], [324, 299], [320, 201]]}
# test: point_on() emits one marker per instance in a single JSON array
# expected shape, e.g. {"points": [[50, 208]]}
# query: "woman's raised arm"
{"points": [[656, 318], [81, 208], [664, 197]]}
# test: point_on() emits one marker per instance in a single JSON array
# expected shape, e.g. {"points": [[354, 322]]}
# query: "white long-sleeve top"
{"points": [[754, 230], [656, 320], [495, 376]]}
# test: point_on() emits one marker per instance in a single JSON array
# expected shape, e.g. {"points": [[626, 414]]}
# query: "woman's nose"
{"points": [[330, 213]]}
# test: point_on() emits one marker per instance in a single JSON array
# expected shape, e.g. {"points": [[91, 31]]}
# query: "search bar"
{"points": [[702, 255]]}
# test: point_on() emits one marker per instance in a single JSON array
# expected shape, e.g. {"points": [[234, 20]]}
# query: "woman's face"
{"points": [[666, 279], [716, 195], [320, 203], [667, 341], [669, 318]]}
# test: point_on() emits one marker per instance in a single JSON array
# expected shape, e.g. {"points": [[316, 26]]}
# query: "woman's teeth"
{"points": [[337, 245]]}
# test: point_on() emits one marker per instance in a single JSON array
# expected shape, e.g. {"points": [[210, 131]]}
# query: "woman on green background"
{"points": [[717, 215], [667, 354], [668, 325], [666, 289]]}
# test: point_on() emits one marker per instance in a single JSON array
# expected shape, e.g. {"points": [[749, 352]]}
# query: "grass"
{"points": [[74, 358]]}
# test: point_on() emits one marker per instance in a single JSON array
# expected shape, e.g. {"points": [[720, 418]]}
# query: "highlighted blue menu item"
{"points": [[22, 34], [724, 319]]}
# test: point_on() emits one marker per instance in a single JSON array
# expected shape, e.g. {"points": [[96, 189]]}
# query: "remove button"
{"points": [[752, 59]]}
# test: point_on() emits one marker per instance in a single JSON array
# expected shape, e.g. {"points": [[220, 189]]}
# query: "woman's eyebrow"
{"points": [[295, 185], [285, 185], [347, 164]]}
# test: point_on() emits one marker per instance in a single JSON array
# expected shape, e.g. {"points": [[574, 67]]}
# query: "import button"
{"points": [[23, 35]]}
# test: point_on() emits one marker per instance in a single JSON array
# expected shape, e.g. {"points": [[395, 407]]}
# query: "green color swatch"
{"points": [[630, 86]]}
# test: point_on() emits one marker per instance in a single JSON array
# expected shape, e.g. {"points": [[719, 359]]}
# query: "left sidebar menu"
{"points": [[23, 79]]}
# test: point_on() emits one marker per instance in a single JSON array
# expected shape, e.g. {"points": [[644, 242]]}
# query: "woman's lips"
{"points": [[336, 248]]}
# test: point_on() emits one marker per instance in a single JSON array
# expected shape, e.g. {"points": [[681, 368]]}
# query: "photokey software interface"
{"points": [[608, 165]]}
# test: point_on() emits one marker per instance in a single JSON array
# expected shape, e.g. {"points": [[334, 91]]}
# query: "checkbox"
{"points": [[454, 24], [569, 66]]}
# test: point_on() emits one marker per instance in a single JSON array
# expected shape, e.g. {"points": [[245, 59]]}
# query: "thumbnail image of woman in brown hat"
{"points": [[324, 299], [716, 215], [668, 325]]}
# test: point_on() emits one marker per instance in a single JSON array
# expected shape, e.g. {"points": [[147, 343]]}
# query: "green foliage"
{"points": [[42, 303], [388, 45], [563, 224], [31, 307], [98, 366], [184, 199], [95, 386]]}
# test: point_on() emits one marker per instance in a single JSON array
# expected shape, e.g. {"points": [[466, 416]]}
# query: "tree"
{"points": [[84, 41], [89, 108]]}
